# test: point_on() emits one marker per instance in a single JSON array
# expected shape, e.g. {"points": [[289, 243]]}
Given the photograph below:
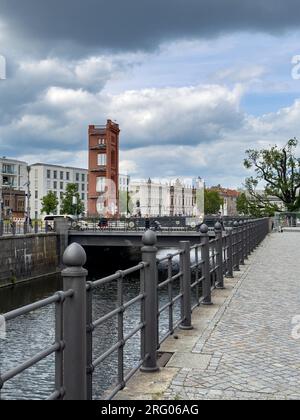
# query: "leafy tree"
{"points": [[279, 169], [213, 201], [49, 203], [67, 204], [242, 204]]}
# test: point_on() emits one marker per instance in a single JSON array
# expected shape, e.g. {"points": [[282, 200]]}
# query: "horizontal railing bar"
{"points": [[100, 359], [117, 276], [37, 305], [116, 311], [196, 265], [169, 280], [116, 346], [31, 362], [134, 300], [169, 257], [197, 246], [135, 331], [55, 396], [196, 283], [171, 303]]}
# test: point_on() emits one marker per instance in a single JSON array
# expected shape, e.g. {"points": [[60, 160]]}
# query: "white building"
{"points": [[123, 182], [166, 198], [13, 174], [45, 178]]}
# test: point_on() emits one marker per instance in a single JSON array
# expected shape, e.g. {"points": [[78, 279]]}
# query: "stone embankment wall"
{"points": [[26, 257]]}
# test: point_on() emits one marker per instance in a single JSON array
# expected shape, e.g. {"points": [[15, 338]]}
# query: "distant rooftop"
{"points": [[5, 159], [59, 166]]}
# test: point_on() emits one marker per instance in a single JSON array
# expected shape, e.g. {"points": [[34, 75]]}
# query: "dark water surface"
{"points": [[30, 334]]}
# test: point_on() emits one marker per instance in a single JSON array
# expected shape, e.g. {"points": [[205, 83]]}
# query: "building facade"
{"points": [[13, 184], [103, 197], [45, 178], [159, 199], [229, 207]]}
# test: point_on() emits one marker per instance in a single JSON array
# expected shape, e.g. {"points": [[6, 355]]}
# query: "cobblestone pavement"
{"points": [[253, 353]]}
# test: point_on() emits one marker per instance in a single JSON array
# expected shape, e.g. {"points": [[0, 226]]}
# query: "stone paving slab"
{"points": [[246, 338]]}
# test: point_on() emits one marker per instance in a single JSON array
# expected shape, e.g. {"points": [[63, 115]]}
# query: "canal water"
{"points": [[30, 334]]}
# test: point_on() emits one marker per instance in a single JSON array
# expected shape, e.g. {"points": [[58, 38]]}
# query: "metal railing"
{"points": [[8, 228], [201, 268]]}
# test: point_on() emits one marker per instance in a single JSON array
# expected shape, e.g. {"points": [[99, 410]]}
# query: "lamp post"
{"points": [[28, 198]]}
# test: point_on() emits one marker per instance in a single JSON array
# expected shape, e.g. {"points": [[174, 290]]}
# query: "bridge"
{"points": [[234, 337]]}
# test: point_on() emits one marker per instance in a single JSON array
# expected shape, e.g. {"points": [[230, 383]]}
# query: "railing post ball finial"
{"points": [[74, 256], [204, 228], [236, 224], [218, 226], [241, 223], [149, 238]]}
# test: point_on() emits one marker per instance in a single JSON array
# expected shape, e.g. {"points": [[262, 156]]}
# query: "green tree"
{"points": [[278, 169], [212, 201], [49, 203], [242, 205], [68, 205]]}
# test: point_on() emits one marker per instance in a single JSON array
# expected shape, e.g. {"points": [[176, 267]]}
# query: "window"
{"points": [[36, 194], [101, 141], [101, 183], [68, 176], [82, 187], [55, 185], [83, 177], [36, 174], [36, 184], [77, 177], [61, 175], [48, 174], [55, 174], [83, 197], [102, 159], [61, 185], [48, 185], [20, 205], [61, 195]]}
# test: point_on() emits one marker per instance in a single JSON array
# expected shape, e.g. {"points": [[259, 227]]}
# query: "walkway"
{"points": [[242, 347]]}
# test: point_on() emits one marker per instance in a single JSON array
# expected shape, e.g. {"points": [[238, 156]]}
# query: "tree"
{"points": [[212, 201], [71, 196], [242, 204], [49, 203], [279, 170]]}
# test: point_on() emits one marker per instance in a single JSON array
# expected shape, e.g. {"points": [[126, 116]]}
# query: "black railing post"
{"points": [[242, 260], [236, 246], [36, 226], [74, 324], [206, 259], [149, 252], [1, 226], [219, 239], [89, 340], [186, 285], [230, 252]]}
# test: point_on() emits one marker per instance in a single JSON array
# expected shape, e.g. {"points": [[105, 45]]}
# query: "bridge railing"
{"points": [[200, 269], [21, 228]]}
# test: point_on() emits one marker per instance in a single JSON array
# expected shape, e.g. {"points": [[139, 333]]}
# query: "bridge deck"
{"points": [[243, 346]]}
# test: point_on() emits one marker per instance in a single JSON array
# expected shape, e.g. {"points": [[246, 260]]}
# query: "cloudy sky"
{"points": [[192, 83]]}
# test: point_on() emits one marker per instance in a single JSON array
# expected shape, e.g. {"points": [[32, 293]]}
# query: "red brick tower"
{"points": [[103, 169]]}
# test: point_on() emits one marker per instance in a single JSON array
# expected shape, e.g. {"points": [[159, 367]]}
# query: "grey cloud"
{"points": [[140, 24]]}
